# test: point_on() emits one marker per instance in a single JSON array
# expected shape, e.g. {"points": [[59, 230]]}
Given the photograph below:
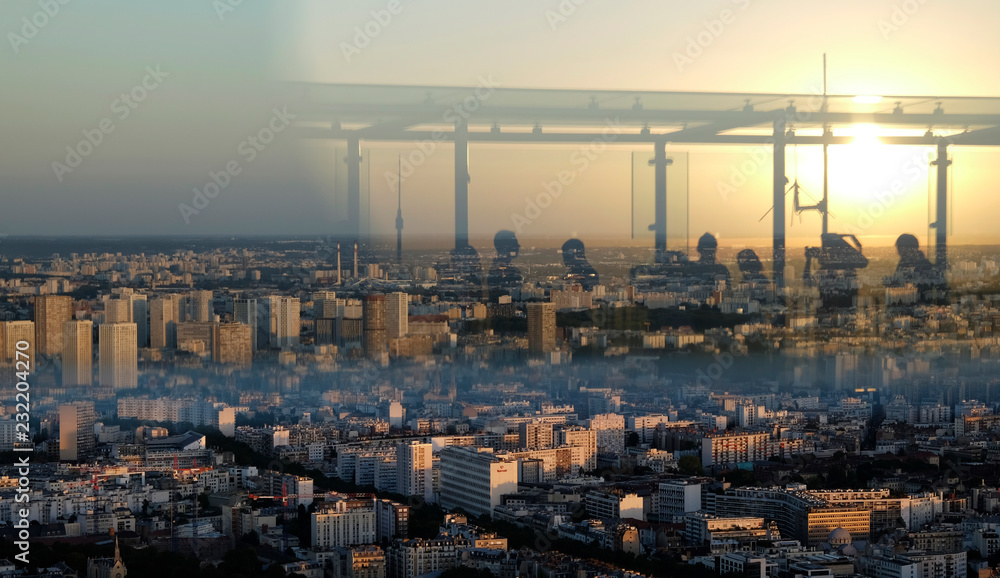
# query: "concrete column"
{"points": [[778, 213], [461, 184], [941, 224]]}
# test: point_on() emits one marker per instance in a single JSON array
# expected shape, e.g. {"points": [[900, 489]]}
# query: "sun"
{"points": [[858, 170]]}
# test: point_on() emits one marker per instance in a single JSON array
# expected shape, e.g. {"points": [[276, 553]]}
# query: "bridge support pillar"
{"points": [[461, 184], [941, 214], [660, 163], [778, 213]]}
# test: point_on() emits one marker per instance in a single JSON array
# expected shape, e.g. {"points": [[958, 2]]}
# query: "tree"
{"points": [[690, 465], [252, 538]]}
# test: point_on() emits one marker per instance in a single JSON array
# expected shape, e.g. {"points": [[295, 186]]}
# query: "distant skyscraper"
{"points": [[232, 343], [201, 306], [76, 431], [397, 314], [374, 326], [245, 312], [13, 332], [119, 355], [541, 327], [77, 353], [162, 323], [284, 321], [51, 311]]}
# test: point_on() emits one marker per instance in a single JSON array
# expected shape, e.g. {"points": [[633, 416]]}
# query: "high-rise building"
{"points": [[414, 470], [232, 343], [76, 431], [397, 314], [77, 353], [375, 342], [140, 316], [118, 355], [541, 327], [162, 323], [583, 439], [200, 306], [11, 334], [51, 311], [196, 337], [475, 479], [345, 521], [535, 435], [329, 308], [283, 313], [117, 309], [124, 305], [245, 312]]}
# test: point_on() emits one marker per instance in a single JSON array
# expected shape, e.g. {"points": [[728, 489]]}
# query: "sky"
{"points": [[170, 92]]}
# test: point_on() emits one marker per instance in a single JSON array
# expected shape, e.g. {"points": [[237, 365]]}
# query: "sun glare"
{"points": [[860, 170]]}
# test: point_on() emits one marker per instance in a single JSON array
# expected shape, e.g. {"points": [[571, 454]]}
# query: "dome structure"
{"points": [[839, 537]]}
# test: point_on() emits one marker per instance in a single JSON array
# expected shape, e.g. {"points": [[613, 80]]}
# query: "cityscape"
{"points": [[717, 334]]}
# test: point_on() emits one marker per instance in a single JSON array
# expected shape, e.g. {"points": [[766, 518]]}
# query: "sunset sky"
{"points": [[66, 78]]}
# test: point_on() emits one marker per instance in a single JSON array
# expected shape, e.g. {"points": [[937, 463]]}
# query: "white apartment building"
{"points": [[474, 479]]}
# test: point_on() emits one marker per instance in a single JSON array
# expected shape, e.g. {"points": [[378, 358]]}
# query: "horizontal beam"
{"points": [[485, 114], [986, 139]]}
